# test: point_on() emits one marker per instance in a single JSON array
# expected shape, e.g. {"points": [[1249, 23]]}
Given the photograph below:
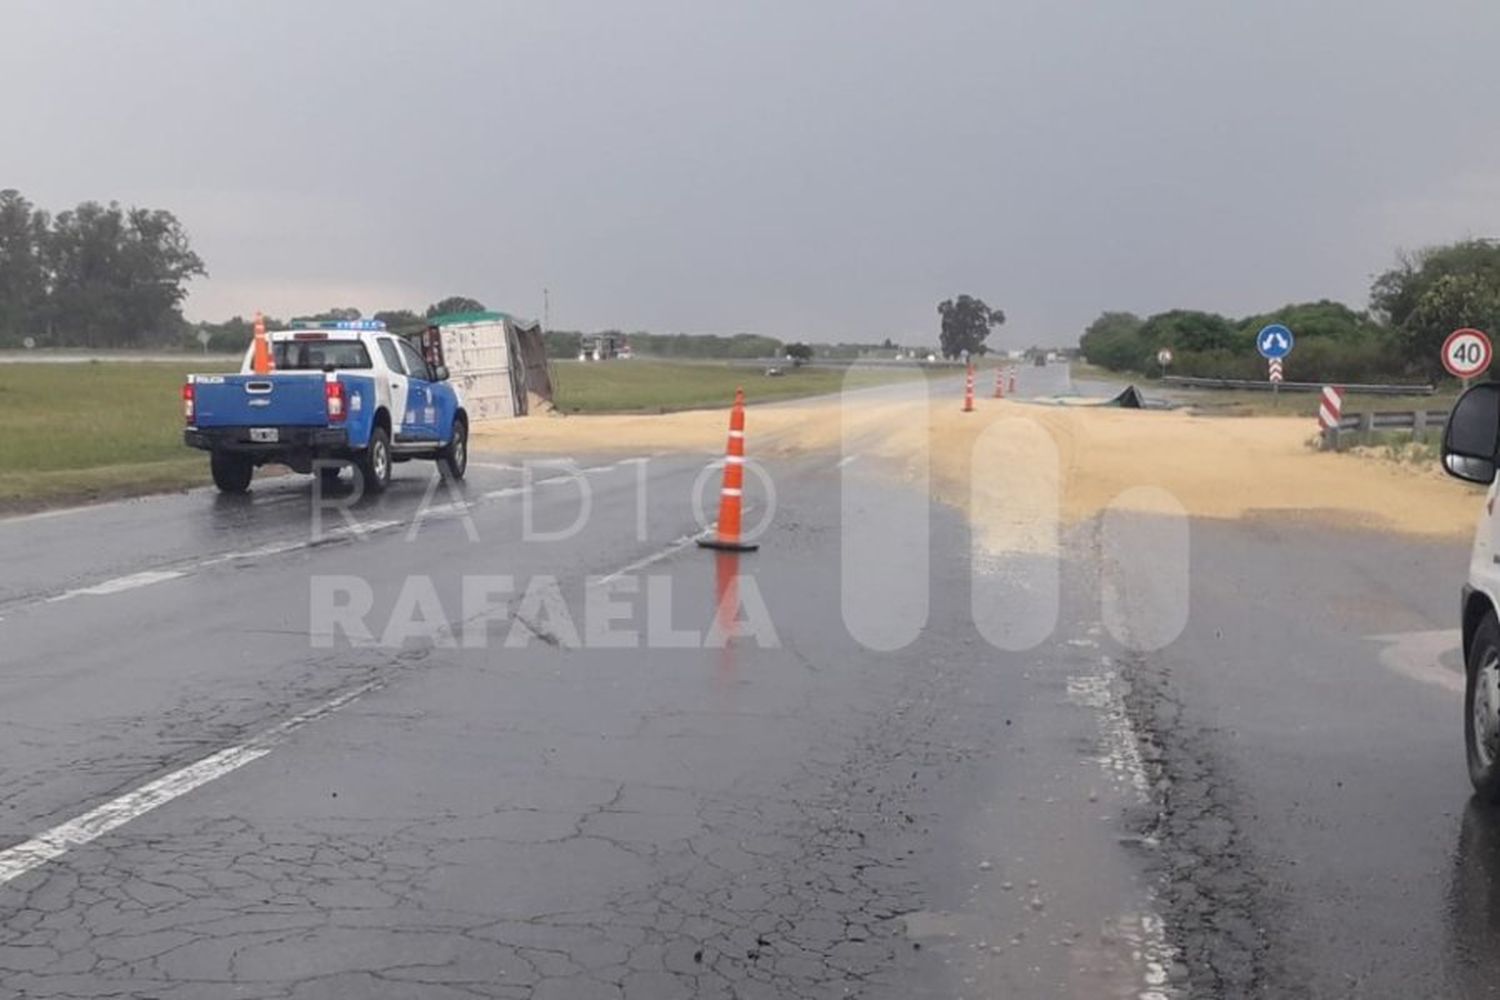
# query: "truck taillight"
{"points": [[188, 403], [335, 393]]}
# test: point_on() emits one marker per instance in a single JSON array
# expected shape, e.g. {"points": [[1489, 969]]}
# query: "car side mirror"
{"points": [[1471, 441], [440, 373]]}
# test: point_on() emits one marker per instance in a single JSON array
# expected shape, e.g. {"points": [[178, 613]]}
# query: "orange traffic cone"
{"points": [[733, 490], [261, 360], [999, 383], [969, 390]]}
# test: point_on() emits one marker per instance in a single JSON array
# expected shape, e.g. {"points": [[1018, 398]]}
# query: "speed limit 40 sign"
{"points": [[1467, 353]]}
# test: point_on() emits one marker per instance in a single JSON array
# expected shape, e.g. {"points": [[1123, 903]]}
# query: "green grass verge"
{"points": [[1293, 404], [1402, 447], [644, 386], [81, 431]]}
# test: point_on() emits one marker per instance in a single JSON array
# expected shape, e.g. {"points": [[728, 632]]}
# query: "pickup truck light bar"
{"points": [[337, 324]]}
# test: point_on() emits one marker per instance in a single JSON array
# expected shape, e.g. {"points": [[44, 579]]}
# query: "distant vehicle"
{"points": [[339, 393], [1471, 449], [774, 370], [604, 347]]}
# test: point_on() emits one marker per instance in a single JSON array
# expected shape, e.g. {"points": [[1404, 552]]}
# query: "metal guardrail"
{"points": [[1189, 382], [1361, 427]]}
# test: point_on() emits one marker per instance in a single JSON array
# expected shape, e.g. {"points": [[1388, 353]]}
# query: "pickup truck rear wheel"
{"points": [[453, 462], [232, 473], [1482, 709], [375, 462]]}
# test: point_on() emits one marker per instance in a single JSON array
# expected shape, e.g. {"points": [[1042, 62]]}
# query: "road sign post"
{"points": [[1274, 342], [1164, 358], [1467, 353]]}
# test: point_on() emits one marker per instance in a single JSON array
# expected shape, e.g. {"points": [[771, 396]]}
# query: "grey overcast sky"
{"points": [[817, 170]]}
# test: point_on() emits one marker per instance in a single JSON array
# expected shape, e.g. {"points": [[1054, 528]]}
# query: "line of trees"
{"points": [[1413, 306], [107, 276], [709, 346], [92, 276], [233, 335]]}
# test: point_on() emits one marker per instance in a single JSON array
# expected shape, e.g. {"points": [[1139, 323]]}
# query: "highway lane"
{"points": [[792, 815], [110, 661], [775, 818], [1271, 805], [1305, 735]]}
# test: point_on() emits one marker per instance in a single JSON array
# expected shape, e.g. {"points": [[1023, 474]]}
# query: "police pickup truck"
{"points": [[328, 394]]}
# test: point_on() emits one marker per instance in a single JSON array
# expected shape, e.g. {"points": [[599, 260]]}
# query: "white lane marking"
{"points": [[54, 843], [150, 577], [355, 530], [273, 549], [676, 545], [1122, 761], [655, 557], [120, 584], [135, 581], [443, 510], [1418, 656], [846, 461], [498, 466], [1121, 758]]}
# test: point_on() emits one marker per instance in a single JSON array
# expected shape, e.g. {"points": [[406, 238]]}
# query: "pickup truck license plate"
{"points": [[265, 435]]}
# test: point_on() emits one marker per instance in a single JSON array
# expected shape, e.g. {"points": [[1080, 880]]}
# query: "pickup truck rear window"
{"points": [[313, 355]]}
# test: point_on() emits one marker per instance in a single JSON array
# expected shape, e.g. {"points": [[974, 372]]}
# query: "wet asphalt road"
{"points": [[564, 798]]}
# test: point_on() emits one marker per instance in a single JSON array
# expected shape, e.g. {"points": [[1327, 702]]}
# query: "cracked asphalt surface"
{"points": [[1272, 805]]}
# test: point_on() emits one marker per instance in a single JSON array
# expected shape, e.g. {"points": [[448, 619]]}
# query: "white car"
{"points": [[1471, 449]]}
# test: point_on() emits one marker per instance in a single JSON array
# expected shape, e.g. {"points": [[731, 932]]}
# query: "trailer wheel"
{"points": [[232, 473]]}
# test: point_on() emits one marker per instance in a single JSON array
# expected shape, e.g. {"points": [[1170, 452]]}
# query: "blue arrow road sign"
{"points": [[1274, 341]]}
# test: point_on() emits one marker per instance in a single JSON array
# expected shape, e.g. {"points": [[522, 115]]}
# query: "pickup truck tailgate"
{"points": [[285, 399]]}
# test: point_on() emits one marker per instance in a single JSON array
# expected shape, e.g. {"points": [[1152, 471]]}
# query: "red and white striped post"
{"points": [[969, 389], [1330, 412], [999, 383], [1013, 380]]}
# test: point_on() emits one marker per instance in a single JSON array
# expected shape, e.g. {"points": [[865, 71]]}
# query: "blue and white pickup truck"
{"points": [[339, 393]]}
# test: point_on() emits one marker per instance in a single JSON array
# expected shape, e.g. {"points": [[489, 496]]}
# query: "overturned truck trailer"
{"points": [[499, 362]]}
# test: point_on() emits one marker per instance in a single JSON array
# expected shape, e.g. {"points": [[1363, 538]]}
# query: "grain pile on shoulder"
{"points": [[1212, 466]]}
